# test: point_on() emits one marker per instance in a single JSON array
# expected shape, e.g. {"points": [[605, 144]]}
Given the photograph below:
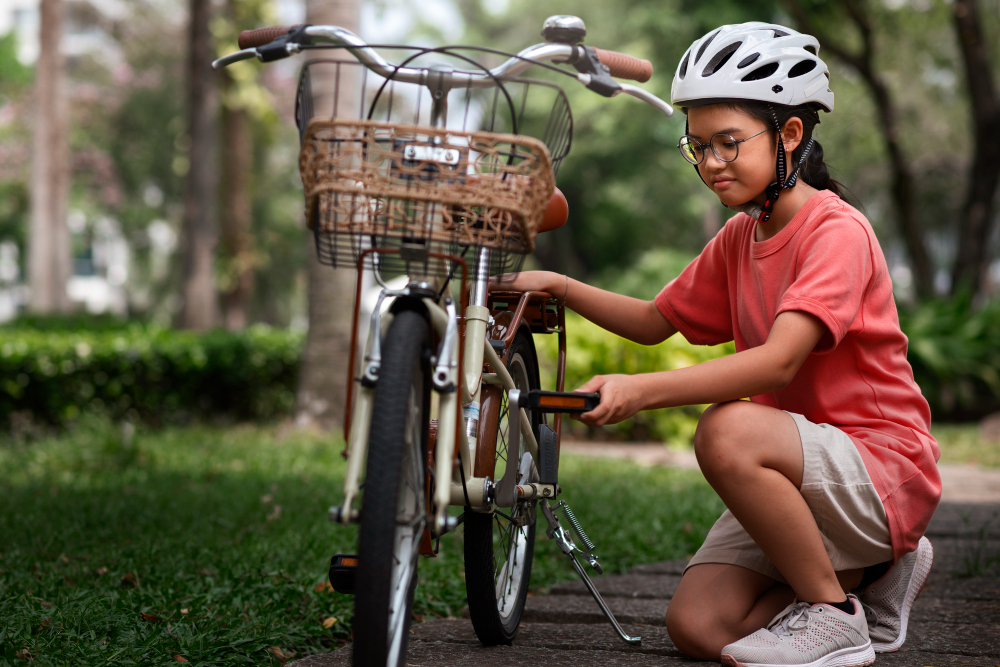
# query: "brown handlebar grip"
{"points": [[261, 36], [623, 66]]}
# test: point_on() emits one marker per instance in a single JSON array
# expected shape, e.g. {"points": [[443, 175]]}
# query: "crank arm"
{"points": [[566, 545]]}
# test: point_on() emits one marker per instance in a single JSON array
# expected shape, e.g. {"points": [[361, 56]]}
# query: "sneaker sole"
{"points": [[853, 656], [921, 571]]}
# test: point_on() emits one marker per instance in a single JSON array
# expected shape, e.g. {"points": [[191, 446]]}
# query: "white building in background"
{"points": [[102, 257]]}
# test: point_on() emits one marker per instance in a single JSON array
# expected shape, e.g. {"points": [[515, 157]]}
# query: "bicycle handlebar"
{"points": [[250, 39], [260, 43], [624, 66]]}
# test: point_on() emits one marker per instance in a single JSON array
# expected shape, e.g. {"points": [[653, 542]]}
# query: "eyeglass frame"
{"points": [[711, 145]]}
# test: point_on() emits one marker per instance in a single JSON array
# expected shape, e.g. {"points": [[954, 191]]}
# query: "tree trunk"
{"points": [[972, 259], [198, 233], [237, 248], [49, 258], [323, 380], [903, 185]]}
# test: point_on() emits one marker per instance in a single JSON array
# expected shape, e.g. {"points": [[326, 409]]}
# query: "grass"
{"points": [[210, 545], [963, 443]]}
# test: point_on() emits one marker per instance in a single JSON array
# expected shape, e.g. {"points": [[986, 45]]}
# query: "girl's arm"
{"points": [[752, 372], [637, 320]]}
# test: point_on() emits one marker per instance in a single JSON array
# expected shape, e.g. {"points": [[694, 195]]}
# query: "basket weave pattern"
{"points": [[397, 182]]}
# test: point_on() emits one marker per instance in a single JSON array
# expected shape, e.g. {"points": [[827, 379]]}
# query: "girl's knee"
{"points": [[689, 630], [717, 438]]}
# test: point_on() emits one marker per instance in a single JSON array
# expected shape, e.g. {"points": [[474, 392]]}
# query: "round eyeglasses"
{"points": [[723, 145]]}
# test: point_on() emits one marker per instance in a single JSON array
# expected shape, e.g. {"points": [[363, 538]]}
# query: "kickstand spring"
{"points": [[565, 542]]}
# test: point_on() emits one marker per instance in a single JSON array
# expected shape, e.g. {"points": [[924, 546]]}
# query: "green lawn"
{"points": [[962, 443], [211, 544]]}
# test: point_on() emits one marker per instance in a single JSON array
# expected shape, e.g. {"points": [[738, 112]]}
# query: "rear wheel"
{"points": [[394, 513], [499, 545]]}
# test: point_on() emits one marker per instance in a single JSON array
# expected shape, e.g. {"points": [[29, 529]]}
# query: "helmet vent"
{"points": [[684, 64], [780, 33], [761, 72], [749, 60], [720, 59], [704, 45], [801, 67], [811, 49]]}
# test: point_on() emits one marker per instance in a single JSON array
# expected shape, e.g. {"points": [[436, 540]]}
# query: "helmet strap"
{"points": [[775, 188]]}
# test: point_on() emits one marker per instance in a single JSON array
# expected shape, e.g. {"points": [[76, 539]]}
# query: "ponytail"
{"points": [[814, 171]]}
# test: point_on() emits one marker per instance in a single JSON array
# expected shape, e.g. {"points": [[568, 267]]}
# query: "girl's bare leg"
{"points": [[717, 604], [751, 454]]}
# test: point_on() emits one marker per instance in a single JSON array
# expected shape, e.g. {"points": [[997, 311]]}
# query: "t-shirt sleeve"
{"points": [[833, 272], [697, 301]]}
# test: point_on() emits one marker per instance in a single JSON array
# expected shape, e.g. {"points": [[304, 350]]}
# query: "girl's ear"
{"points": [[791, 134]]}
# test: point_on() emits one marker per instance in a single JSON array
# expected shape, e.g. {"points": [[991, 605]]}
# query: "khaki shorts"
{"points": [[841, 495]]}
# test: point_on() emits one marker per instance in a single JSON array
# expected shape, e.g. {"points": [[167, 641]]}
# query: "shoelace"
{"points": [[871, 616], [794, 617]]}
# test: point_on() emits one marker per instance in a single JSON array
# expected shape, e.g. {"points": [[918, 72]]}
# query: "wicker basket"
{"points": [[380, 184]]}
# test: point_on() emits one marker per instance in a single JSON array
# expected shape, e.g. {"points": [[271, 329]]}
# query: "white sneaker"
{"points": [[805, 635], [888, 601]]}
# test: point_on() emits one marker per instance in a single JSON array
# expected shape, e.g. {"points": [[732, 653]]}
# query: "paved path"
{"points": [[955, 622]]}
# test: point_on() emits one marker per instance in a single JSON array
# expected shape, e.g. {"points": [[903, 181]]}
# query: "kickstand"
{"points": [[568, 547]]}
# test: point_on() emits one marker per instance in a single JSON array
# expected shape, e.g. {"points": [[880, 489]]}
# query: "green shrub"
{"points": [[592, 351], [146, 372], [955, 353]]}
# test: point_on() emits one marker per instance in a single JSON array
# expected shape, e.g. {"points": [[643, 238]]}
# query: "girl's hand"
{"points": [[621, 397], [530, 281]]}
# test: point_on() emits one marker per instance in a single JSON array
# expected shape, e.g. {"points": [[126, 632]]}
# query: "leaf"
{"points": [[329, 621], [129, 580], [275, 513], [280, 655], [323, 586], [152, 618], [45, 604], [184, 611], [180, 658], [101, 571]]}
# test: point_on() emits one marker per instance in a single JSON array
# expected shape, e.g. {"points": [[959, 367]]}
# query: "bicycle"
{"points": [[426, 198]]}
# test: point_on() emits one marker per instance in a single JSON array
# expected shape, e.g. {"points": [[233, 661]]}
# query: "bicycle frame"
{"points": [[461, 384]]}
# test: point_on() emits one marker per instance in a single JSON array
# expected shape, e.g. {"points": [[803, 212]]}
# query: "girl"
{"points": [[829, 470]]}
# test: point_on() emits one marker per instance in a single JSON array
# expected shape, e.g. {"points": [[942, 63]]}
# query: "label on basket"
{"points": [[439, 154]]}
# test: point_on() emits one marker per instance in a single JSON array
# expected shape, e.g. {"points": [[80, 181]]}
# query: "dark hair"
{"points": [[814, 171]]}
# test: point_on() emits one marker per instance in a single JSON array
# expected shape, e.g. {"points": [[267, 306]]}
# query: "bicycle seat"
{"points": [[556, 212]]}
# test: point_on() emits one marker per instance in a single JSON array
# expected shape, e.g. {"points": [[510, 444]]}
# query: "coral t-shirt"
{"points": [[828, 263]]}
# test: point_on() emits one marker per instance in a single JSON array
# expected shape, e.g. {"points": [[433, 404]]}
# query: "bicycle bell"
{"points": [[563, 29]]}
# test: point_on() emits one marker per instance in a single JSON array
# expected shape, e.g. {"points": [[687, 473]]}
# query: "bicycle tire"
{"points": [[393, 512], [495, 616]]}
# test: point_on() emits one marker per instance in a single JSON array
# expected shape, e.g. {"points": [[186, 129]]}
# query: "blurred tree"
{"points": [[244, 102], [978, 212], [813, 16], [48, 240], [15, 89], [322, 391], [199, 236]]}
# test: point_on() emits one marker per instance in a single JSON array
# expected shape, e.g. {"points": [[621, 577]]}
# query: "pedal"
{"points": [[570, 402], [343, 573], [548, 455]]}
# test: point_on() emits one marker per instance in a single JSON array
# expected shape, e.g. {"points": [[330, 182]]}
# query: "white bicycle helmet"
{"points": [[753, 61], [761, 62]]}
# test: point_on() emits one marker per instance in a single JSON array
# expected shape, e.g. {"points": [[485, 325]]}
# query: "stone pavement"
{"points": [[955, 622]]}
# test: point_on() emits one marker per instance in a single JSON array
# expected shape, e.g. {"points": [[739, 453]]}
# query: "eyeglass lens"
{"points": [[723, 145]]}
